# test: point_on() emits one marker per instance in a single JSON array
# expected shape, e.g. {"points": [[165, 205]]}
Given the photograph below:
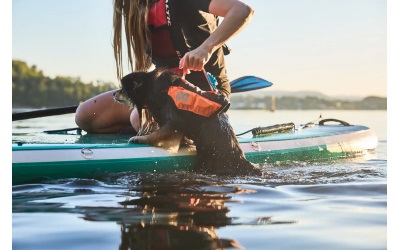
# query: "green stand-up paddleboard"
{"points": [[89, 155]]}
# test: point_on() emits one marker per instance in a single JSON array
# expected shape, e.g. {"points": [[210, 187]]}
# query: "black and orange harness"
{"points": [[189, 97]]}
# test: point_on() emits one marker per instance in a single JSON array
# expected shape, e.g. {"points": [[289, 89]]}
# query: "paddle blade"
{"points": [[248, 83]]}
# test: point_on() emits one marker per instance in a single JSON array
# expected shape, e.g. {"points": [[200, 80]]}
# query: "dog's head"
{"points": [[135, 88]]}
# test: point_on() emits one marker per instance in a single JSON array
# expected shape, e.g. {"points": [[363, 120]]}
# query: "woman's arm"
{"points": [[236, 16]]}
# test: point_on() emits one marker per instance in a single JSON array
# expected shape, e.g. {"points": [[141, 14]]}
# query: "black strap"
{"points": [[322, 122], [175, 29], [176, 34]]}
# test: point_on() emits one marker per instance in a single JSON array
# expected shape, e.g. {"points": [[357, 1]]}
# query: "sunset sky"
{"points": [[336, 47]]}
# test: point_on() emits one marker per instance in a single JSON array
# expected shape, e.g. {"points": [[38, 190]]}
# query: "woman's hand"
{"points": [[195, 59]]}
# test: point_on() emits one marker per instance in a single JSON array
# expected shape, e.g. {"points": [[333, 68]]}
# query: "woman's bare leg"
{"points": [[102, 114], [135, 119]]}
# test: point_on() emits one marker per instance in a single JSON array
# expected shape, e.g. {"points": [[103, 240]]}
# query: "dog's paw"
{"points": [[255, 170], [246, 168], [135, 139]]}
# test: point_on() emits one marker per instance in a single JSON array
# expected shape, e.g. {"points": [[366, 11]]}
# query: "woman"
{"points": [[177, 34]]}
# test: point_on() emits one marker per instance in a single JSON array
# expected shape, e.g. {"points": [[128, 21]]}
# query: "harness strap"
{"points": [[175, 29]]}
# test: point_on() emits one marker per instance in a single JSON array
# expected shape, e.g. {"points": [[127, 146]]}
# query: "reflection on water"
{"points": [[155, 213], [298, 205], [188, 211]]}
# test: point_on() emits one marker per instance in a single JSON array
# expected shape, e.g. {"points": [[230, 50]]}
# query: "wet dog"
{"points": [[218, 150]]}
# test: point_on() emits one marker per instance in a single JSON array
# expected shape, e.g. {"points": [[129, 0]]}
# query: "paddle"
{"points": [[43, 113], [242, 84], [248, 83]]}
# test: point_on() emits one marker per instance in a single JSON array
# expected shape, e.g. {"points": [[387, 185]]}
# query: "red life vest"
{"points": [[157, 16], [162, 44]]}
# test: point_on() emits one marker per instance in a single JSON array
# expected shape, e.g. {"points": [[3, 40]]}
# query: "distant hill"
{"points": [[304, 100], [297, 94]]}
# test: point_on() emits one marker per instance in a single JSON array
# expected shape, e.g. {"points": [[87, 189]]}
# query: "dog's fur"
{"points": [[218, 150]]}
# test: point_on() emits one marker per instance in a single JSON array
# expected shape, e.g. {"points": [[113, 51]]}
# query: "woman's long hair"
{"points": [[132, 14]]}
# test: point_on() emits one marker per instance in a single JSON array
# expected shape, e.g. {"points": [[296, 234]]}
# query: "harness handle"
{"points": [[212, 89], [208, 80], [322, 122]]}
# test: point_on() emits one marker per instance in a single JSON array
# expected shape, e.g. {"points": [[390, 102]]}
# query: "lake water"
{"points": [[320, 205]]}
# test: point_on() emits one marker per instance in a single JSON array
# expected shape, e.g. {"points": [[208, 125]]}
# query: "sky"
{"points": [[336, 47]]}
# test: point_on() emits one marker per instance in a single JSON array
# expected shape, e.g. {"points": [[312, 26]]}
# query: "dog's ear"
{"points": [[133, 80], [137, 83]]}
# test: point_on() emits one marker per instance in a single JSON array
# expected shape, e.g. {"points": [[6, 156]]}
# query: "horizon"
{"points": [[326, 46], [313, 93]]}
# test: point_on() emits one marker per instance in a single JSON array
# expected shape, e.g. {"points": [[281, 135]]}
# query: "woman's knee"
{"points": [[134, 119], [83, 118], [102, 114]]}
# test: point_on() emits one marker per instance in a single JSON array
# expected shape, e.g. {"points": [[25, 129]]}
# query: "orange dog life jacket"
{"points": [[189, 97]]}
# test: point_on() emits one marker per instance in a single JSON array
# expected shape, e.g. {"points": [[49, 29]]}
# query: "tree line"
{"points": [[31, 88]]}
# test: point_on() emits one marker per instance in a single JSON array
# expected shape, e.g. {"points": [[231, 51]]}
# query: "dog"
{"points": [[218, 150]]}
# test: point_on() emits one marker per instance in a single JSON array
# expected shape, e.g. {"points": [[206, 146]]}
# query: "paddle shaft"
{"points": [[43, 113]]}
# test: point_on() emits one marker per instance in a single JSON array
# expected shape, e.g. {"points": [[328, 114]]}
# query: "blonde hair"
{"points": [[133, 15]]}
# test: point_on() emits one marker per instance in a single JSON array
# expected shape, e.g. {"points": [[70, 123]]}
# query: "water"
{"points": [[321, 205]]}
